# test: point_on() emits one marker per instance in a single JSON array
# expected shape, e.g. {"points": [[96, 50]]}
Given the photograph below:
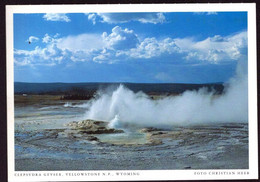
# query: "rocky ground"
{"points": [[92, 145]]}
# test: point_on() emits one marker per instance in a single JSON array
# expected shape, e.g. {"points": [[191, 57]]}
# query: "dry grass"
{"points": [[35, 99]]}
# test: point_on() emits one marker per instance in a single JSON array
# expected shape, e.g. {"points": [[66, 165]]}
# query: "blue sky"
{"points": [[129, 47]]}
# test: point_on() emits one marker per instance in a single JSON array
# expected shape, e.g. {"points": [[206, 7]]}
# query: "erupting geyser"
{"points": [[191, 107]]}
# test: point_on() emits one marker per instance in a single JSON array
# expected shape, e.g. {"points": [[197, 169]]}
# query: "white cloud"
{"points": [[120, 39], [22, 62], [32, 39], [148, 48], [82, 47], [92, 17], [206, 13], [79, 56], [212, 13], [81, 42], [46, 56], [103, 56], [215, 49], [124, 44], [151, 47], [126, 17], [56, 17], [47, 39]]}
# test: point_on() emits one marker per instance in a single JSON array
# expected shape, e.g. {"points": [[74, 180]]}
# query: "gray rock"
{"points": [[93, 127], [149, 129]]}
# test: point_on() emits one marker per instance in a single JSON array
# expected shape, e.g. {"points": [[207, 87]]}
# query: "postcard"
{"points": [[131, 92]]}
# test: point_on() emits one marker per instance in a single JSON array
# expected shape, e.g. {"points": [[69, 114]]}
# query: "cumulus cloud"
{"points": [[151, 47], [48, 55], [32, 39], [82, 47], [56, 17], [215, 49], [104, 56], [122, 44], [47, 39], [120, 39], [127, 17]]}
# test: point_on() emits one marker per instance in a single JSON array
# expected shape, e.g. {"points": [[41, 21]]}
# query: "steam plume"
{"points": [[122, 106]]}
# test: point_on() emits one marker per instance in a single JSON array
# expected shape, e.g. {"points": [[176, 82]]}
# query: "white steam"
{"points": [[115, 123], [124, 107]]}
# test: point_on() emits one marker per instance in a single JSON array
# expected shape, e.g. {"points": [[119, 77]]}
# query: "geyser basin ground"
{"points": [[45, 141]]}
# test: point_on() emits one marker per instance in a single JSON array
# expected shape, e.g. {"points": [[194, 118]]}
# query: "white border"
{"points": [[143, 174]]}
